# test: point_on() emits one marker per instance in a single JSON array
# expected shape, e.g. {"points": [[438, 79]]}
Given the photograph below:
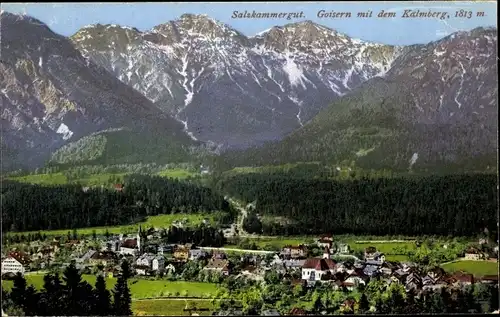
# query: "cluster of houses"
{"points": [[146, 258], [150, 259], [352, 275]]}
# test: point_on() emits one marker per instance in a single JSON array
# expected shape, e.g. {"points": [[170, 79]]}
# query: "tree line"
{"points": [[202, 236], [27, 207], [459, 205], [377, 297], [69, 296]]}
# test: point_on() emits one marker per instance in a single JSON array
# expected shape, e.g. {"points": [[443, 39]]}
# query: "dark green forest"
{"points": [[28, 207], [69, 296], [376, 127], [432, 205]]}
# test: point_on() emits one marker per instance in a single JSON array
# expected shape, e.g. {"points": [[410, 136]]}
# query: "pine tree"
{"points": [[396, 302], [126, 301], [74, 290], [31, 307], [126, 271], [364, 305], [52, 299], [437, 305], [122, 298], [380, 307], [18, 291], [410, 304], [471, 302], [102, 298], [494, 299]]}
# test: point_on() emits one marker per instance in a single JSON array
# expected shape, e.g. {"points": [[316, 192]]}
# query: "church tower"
{"points": [[139, 233], [326, 253]]}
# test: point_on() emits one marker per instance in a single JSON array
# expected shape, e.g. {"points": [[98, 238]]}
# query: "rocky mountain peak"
{"points": [[26, 38], [190, 26], [305, 36], [100, 35]]}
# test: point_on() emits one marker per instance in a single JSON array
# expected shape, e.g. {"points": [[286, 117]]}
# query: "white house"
{"points": [[314, 269], [170, 268], [196, 254], [149, 262], [325, 241], [15, 262], [158, 263], [129, 246], [343, 248]]}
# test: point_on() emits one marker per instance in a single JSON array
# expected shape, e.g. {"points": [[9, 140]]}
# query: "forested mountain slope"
{"points": [[435, 108]]}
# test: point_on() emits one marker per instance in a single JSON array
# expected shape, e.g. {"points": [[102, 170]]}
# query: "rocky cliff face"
{"points": [[231, 89], [51, 95]]}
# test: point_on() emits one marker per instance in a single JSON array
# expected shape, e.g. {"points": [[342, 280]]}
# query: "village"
{"points": [[149, 257]]}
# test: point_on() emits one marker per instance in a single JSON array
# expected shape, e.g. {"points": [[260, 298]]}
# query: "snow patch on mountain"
{"points": [[294, 73], [299, 105], [461, 85], [65, 131], [261, 33], [413, 159]]}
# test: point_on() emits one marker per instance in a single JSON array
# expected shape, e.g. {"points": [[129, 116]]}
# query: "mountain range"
{"points": [[436, 108], [231, 89], [297, 92]]}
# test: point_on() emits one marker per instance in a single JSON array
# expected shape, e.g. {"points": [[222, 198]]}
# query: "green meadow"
{"points": [[171, 307], [94, 179], [477, 268], [178, 173], [61, 179], [140, 288]]}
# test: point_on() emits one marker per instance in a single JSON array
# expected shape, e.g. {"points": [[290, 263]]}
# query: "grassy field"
{"points": [[396, 257], [42, 179], [283, 242], [178, 173], [388, 248], [276, 243], [477, 268], [269, 168], [140, 288], [160, 221], [61, 179], [169, 307], [94, 179]]}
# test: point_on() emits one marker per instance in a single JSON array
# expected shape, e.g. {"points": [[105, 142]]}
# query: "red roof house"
{"points": [[314, 268], [20, 257]]}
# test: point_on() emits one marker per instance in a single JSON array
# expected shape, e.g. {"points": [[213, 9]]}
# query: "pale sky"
{"points": [[68, 18]]}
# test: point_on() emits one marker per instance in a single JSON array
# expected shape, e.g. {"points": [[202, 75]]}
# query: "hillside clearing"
{"points": [[159, 221], [178, 173]]}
